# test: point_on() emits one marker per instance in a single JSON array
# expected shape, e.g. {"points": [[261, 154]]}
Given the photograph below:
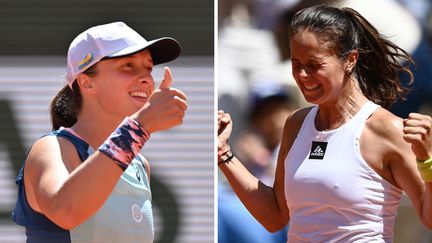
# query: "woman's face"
{"points": [[124, 84], [318, 71]]}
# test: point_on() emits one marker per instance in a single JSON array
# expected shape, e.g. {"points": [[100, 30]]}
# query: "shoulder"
{"points": [[295, 120], [291, 130], [50, 149], [384, 135], [385, 124]]}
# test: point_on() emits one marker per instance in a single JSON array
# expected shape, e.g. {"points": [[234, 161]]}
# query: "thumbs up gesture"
{"points": [[165, 108]]}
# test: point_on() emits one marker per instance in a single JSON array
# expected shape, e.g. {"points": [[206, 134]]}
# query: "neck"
{"points": [[332, 115]]}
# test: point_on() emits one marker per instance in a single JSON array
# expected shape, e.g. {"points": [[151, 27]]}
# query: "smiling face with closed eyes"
{"points": [[320, 74]]}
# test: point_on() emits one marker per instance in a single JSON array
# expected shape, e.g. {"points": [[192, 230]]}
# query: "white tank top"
{"points": [[331, 192]]}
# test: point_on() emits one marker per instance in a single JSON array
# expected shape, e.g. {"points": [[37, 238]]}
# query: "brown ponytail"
{"points": [[378, 68], [66, 105]]}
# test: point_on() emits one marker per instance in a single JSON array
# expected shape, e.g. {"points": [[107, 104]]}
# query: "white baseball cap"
{"points": [[114, 40]]}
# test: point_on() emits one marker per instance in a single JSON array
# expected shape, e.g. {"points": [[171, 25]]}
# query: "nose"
{"points": [[303, 73], [146, 79]]}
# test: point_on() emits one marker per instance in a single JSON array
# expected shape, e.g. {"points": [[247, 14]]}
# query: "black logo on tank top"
{"points": [[318, 150]]}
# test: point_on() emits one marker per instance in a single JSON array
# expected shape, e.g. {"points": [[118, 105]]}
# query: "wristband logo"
{"points": [[318, 150]]}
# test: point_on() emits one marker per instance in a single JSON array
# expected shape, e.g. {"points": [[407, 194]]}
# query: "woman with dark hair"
{"points": [[86, 181], [344, 162]]}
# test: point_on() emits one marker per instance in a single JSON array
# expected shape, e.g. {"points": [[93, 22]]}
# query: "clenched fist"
{"points": [[417, 132]]}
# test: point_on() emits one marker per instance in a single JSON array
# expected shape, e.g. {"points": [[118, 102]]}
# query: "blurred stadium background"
{"points": [[34, 39]]}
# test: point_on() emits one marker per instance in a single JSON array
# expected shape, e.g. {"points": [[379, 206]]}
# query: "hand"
{"points": [[165, 108], [417, 132], [224, 129]]}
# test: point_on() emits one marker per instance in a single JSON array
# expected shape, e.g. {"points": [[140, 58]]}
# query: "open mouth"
{"points": [[311, 86], [139, 94]]}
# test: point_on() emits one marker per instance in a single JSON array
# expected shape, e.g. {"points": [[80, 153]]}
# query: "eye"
{"points": [[315, 65], [295, 65], [129, 65]]}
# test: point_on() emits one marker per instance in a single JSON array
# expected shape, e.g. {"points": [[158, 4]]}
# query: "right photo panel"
{"points": [[324, 121]]}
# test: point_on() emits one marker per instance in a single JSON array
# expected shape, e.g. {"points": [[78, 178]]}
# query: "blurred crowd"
{"points": [[256, 87]]}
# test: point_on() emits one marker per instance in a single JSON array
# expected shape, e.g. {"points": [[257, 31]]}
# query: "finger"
{"points": [[418, 116], [167, 80], [226, 118], [220, 114], [412, 138], [415, 123], [415, 130], [179, 93], [181, 103]]}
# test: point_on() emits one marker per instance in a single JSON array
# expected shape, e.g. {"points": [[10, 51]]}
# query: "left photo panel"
{"points": [[107, 121]]}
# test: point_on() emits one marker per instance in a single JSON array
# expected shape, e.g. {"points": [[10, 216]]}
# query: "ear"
{"points": [[86, 84], [351, 61]]}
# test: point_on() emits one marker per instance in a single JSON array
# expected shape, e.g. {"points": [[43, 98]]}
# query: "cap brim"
{"points": [[162, 50]]}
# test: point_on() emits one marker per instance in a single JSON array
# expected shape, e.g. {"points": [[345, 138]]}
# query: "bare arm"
{"points": [[266, 204], [69, 192], [400, 161], [418, 133], [67, 198]]}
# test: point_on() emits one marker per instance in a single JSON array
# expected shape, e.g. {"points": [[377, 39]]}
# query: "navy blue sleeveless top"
{"points": [[39, 229], [129, 204]]}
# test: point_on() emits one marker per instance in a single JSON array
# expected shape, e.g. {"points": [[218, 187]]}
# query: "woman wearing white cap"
{"points": [[86, 181]]}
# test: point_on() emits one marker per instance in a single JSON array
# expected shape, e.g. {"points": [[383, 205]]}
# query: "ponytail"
{"points": [[381, 64], [66, 106], [378, 69]]}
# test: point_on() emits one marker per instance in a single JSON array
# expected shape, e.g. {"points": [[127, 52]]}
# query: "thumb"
{"points": [[167, 80]]}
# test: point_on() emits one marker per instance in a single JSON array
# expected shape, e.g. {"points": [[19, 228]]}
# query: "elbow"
{"points": [[275, 226], [427, 222], [64, 217]]}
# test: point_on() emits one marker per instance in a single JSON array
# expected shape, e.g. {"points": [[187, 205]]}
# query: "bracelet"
{"points": [[125, 142], [226, 158], [425, 168], [225, 149]]}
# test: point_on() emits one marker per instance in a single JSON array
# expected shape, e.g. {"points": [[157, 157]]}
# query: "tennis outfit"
{"points": [[126, 215], [331, 192]]}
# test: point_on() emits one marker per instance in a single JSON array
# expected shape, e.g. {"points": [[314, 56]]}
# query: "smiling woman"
{"points": [[86, 181], [344, 162], [130, 74]]}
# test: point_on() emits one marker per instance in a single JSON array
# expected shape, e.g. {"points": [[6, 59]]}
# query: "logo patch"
{"points": [[318, 150], [138, 175], [137, 215], [87, 59]]}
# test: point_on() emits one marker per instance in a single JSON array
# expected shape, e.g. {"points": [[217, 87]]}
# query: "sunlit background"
{"points": [[254, 71]]}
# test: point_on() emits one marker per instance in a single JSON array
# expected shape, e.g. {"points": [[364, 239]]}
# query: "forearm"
{"points": [[258, 198], [93, 181], [426, 209]]}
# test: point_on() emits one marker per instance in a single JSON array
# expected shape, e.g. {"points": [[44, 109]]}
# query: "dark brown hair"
{"points": [[66, 105], [378, 69]]}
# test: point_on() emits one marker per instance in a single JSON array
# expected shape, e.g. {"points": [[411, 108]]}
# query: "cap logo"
{"points": [[87, 59]]}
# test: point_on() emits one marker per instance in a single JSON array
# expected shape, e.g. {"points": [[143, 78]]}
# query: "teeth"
{"points": [[138, 94], [310, 86]]}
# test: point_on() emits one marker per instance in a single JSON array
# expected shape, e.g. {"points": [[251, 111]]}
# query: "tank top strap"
{"points": [[308, 121], [365, 112], [81, 145]]}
